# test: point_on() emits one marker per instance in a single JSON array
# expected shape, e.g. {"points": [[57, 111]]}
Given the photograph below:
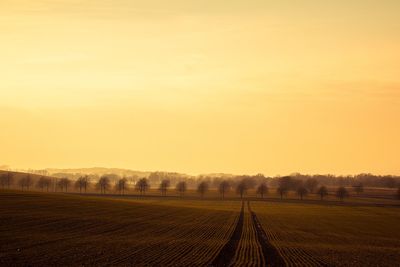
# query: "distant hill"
{"points": [[215, 175], [97, 171], [76, 172]]}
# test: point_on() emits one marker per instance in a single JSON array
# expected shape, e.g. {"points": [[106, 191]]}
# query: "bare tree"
{"points": [[342, 193], [142, 186], [67, 183], [40, 183], [288, 183], [322, 192], [25, 182], [21, 183], [47, 183], [3, 178], [302, 192], [202, 188], [164, 186], [60, 184], [224, 187], [241, 188], [181, 188], [282, 190], [10, 179], [44, 182], [122, 185], [359, 188], [262, 189], [311, 184], [249, 181], [29, 181], [64, 183], [6, 179], [82, 183], [103, 184]]}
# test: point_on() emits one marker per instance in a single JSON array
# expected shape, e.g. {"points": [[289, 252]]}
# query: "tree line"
{"points": [[105, 185]]}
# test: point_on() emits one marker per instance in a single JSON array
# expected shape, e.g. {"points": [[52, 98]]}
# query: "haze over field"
{"points": [[201, 86]]}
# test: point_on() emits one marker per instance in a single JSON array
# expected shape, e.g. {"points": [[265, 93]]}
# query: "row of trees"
{"points": [[311, 185], [213, 180], [367, 179], [104, 185]]}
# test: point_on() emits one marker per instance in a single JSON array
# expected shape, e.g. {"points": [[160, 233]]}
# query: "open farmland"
{"points": [[42, 229], [316, 235], [46, 229]]}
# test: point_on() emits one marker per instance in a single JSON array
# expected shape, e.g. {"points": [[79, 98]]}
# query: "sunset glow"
{"points": [[201, 86]]}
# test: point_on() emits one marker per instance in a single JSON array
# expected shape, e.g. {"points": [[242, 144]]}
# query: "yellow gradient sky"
{"points": [[201, 86]]}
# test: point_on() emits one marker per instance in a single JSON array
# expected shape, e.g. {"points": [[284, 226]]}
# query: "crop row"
{"points": [[48, 229], [249, 251], [292, 254], [315, 235]]}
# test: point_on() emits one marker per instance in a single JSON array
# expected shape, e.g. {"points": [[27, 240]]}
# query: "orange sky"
{"points": [[201, 86]]}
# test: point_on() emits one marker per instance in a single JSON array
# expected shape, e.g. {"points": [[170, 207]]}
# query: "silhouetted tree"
{"points": [[241, 188], [302, 192], [82, 183], [342, 193], [359, 188], [25, 182], [60, 184], [3, 178], [48, 183], [6, 179], [311, 184], [249, 181], [389, 182], [224, 187], [262, 189], [10, 179], [164, 186], [64, 183], [40, 183], [44, 182], [29, 181], [202, 188], [142, 185], [21, 183], [398, 193], [282, 190], [322, 192], [287, 183], [181, 188], [122, 185], [104, 184]]}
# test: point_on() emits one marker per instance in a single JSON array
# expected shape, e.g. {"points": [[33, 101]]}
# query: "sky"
{"points": [[255, 86]]}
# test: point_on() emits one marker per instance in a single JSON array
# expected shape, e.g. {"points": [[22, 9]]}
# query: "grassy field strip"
{"points": [[249, 251], [55, 229]]}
